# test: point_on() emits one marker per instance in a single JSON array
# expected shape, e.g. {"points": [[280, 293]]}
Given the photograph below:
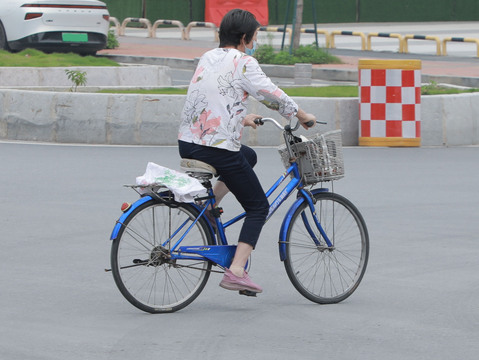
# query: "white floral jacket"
{"points": [[217, 98]]}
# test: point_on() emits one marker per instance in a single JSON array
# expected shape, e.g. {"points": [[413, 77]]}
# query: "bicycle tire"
{"points": [[322, 275], [141, 267]]}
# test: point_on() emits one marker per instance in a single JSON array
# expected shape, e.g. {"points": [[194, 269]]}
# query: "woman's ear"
{"points": [[243, 38]]}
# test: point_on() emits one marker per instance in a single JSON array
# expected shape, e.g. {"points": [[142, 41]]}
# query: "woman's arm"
{"points": [[264, 90], [306, 120]]}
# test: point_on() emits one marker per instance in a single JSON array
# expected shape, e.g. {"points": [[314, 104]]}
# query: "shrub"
{"points": [[111, 42]]}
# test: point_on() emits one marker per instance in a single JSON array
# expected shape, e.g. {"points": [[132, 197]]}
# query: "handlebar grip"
{"points": [[310, 123], [259, 121]]}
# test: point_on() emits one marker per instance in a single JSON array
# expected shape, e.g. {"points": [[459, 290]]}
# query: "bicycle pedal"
{"points": [[247, 293]]}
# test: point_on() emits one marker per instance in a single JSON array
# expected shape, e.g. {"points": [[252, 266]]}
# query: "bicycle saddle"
{"points": [[196, 166]]}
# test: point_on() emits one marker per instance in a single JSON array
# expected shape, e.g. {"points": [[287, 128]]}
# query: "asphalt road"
{"points": [[418, 299]]}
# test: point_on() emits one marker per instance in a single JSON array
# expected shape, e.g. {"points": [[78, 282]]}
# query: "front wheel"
{"points": [[327, 274], [147, 270]]}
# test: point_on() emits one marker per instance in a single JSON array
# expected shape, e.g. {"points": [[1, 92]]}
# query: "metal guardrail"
{"points": [[116, 24], [421, 37], [347, 33], [177, 23], [143, 21], [318, 31], [201, 24], [459, 39], [278, 29], [386, 35]]}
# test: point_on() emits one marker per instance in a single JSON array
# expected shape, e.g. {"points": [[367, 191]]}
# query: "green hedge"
{"points": [[182, 10]]}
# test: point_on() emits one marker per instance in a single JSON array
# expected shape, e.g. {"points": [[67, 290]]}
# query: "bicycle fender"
{"points": [[122, 218], [287, 221]]}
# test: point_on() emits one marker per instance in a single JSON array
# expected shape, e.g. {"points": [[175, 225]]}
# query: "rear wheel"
{"points": [[142, 263], [323, 274]]}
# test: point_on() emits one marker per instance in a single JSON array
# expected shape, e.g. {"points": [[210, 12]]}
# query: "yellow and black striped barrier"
{"points": [[386, 35], [143, 21], [318, 31], [201, 24], [347, 33], [459, 39], [275, 29], [116, 23], [177, 23], [421, 37], [278, 29]]}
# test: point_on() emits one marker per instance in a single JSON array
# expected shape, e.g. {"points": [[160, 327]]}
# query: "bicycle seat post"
{"points": [[203, 172]]}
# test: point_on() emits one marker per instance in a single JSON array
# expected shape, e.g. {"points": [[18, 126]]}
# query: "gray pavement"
{"points": [[418, 299]]}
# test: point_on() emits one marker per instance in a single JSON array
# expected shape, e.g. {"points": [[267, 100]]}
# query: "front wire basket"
{"points": [[319, 158]]}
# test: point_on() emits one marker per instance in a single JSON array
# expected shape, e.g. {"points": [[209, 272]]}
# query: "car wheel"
{"points": [[3, 38]]}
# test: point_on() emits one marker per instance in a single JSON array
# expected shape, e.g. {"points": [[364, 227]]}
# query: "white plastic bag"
{"points": [[184, 187]]}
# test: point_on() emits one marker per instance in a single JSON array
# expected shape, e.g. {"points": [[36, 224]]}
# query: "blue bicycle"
{"points": [[163, 251]]}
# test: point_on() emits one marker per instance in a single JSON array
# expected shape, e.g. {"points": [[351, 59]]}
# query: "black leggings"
{"points": [[236, 171]]}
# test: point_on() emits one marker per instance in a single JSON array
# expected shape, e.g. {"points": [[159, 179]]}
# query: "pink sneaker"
{"points": [[232, 282]]}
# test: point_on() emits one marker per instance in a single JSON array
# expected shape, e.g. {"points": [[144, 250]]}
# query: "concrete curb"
{"points": [[287, 71], [94, 118], [132, 75]]}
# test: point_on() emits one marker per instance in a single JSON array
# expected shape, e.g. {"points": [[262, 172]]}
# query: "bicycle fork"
{"points": [[310, 224], [311, 202]]}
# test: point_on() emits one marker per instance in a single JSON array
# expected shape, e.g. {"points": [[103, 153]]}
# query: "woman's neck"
{"points": [[237, 47]]}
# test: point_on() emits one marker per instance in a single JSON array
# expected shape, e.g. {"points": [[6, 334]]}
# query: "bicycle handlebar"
{"points": [[262, 121]]}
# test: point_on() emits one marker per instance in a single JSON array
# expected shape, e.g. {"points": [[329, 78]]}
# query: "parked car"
{"points": [[79, 26]]}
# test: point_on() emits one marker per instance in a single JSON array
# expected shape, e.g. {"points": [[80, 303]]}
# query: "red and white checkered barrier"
{"points": [[390, 103]]}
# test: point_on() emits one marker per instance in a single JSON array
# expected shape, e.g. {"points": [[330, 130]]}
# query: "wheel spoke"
{"points": [[322, 274]]}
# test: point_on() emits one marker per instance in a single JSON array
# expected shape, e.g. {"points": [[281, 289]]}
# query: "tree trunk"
{"points": [[298, 22]]}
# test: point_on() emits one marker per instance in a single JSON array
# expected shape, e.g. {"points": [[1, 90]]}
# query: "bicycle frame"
{"points": [[223, 254]]}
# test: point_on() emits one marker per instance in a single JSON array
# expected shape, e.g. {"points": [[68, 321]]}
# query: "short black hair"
{"points": [[236, 24]]}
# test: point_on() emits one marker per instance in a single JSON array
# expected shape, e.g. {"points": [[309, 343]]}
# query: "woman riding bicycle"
{"points": [[212, 122]]}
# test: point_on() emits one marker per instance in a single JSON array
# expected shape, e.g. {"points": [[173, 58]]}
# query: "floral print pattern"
{"points": [[216, 102]]}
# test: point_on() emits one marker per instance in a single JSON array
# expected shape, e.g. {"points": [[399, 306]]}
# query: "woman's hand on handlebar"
{"points": [[249, 120], [307, 120]]}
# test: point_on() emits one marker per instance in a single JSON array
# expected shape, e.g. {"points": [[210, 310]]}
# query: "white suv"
{"points": [[79, 26]]}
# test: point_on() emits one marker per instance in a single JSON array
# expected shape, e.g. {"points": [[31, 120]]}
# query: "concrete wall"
{"points": [[153, 119], [131, 75]]}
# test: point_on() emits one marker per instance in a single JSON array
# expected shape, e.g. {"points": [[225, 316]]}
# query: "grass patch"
{"points": [[35, 58], [434, 89], [309, 54], [323, 91]]}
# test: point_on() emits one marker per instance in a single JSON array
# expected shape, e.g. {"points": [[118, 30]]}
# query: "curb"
{"points": [[287, 71], [135, 119]]}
